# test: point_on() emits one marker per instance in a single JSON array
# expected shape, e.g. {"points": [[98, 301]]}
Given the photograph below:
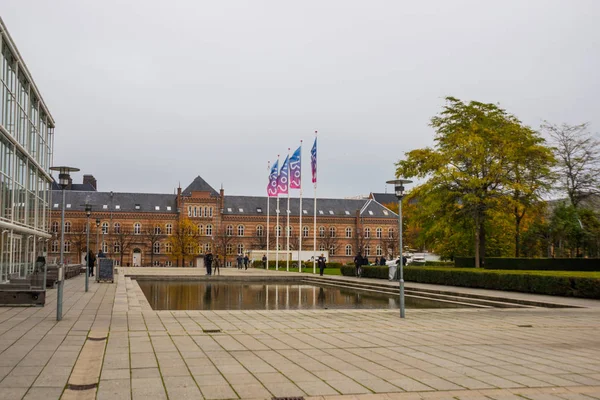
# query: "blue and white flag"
{"points": [[283, 178], [296, 169], [313, 161]]}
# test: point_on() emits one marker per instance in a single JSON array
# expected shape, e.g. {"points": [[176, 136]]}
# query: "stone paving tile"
{"points": [[44, 393], [218, 392], [12, 393]]}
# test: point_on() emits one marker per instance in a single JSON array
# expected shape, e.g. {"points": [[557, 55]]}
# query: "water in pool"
{"points": [[239, 295]]}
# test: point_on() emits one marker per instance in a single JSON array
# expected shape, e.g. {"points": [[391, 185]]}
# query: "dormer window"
{"points": [[157, 208], [259, 210], [229, 209], [304, 212], [105, 206], [331, 212], [385, 212], [347, 212], [137, 206], [118, 207], [241, 210], [168, 208], [55, 205], [370, 212], [321, 212], [68, 206]]}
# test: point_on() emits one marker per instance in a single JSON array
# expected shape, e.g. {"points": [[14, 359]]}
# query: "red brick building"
{"points": [[138, 228]]}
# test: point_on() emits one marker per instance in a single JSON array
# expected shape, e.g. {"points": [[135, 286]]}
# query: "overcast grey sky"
{"points": [[149, 93]]}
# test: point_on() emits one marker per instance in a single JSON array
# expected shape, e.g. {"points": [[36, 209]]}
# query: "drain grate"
{"points": [[525, 326], [211, 330], [82, 387], [96, 338], [287, 398]]}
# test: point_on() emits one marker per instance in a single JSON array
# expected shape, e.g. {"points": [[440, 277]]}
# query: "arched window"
{"points": [[207, 247], [278, 230], [289, 231], [209, 230], [54, 227], [201, 230], [206, 211], [378, 233], [55, 247], [348, 250], [321, 247], [67, 246], [305, 231], [367, 250], [367, 233], [259, 231], [348, 232], [332, 231], [229, 249], [156, 263], [157, 230], [168, 248], [189, 211], [105, 227], [117, 227], [117, 247], [196, 211], [157, 248], [137, 228], [67, 227], [189, 249], [104, 247], [210, 212], [240, 248], [321, 231], [332, 250], [240, 230], [379, 252], [391, 233], [229, 230], [169, 229]]}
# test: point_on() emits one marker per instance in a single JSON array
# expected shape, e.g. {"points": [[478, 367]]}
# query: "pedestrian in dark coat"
{"points": [[208, 260], [382, 261], [240, 261], [321, 261], [246, 261], [358, 262], [90, 259], [264, 260]]}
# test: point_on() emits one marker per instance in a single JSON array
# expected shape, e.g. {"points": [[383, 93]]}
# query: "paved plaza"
{"points": [[112, 345]]}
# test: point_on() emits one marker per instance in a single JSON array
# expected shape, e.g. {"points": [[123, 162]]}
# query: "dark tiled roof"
{"points": [[127, 202], [249, 205], [199, 185], [83, 187], [385, 198]]}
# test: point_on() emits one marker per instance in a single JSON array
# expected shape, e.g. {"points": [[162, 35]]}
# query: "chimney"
{"points": [[91, 180], [222, 199]]}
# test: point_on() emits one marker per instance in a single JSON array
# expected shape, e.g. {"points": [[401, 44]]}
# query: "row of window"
{"points": [[196, 211]]}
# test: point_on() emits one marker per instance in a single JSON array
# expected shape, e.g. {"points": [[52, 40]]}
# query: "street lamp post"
{"points": [[399, 191], [63, 181], [88, 213], [97, 243]]}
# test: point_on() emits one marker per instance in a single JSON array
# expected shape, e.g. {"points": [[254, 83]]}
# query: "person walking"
{"points": [[246, 260], [264, 260], [382, 260], [358, 262], [240, 261], [376, 261], [208, 260], [90, 259], [321, 261]]}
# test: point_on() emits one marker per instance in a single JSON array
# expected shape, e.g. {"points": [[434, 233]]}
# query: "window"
{"points": [[55, 205], [210, 212], [208, 247], [385, 212], [209, 230], [67, 227], [304, 212], [168, 248], [305, 231], [157, 230], [241, 210], [367, 233], [156, 263], [321, 231], [117, 247], [54, 228], [117, 263], [348, 232], [367, 250], [289, 231], [189, 249], [391, 233], [137, 206], [168, 208], [321, 212], [117, 227], [259, 210], [348, 250], [378, 251], [189, 211], [240, 248], [156, 248], [259, 231], [332, 232], [68, 206], [104, 247], [278, 230], [229, 249], [370, 212], [157, 208], [378, 233], [229, 230], [137, 228], [321, 247], [347, 212], [55, 246], [117, 207], [206, 211], [240, 230], [201, 230], [67, 247], [105, 206], [105, 227], [229, 209], [331, 212], [168, 263]]}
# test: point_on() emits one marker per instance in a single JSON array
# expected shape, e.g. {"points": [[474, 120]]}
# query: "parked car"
{"points": [[417, 260]]}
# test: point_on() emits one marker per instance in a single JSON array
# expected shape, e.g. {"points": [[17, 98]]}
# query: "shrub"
{"points": [[533, 264]]}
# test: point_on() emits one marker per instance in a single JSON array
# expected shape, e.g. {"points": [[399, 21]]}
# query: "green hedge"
{"points": [[537, 283], [533, 264]]}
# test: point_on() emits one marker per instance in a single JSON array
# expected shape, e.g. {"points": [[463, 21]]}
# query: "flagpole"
{"points": [[300, 223], [276, 231], [287, 227], [315, 223], [268, 203]]}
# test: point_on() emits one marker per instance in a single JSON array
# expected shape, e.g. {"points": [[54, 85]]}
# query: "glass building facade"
{"points": [[26, 141]]}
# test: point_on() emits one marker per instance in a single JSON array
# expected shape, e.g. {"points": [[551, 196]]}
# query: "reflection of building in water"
{"points": [[255, 295]]}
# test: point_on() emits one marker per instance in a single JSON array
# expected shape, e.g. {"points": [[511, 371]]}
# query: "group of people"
{"points": [[242, 261], [211, 261], [90, 259]]}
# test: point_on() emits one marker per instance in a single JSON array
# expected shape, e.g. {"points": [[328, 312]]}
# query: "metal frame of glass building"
{"points": [[26, 143]]}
